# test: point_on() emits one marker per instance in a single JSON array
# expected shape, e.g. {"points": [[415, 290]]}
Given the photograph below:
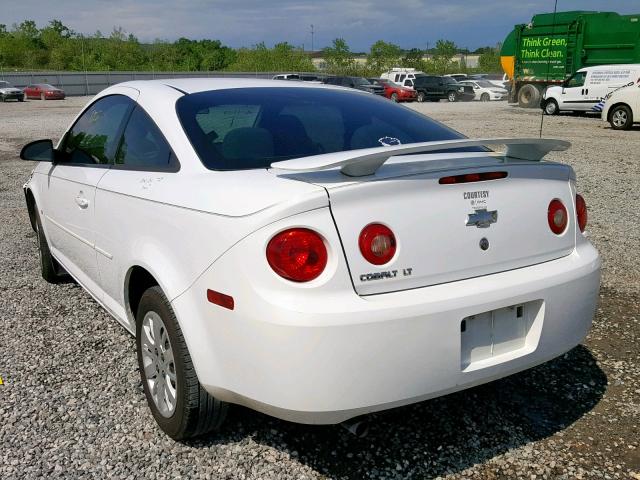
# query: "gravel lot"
{"points": [[72, 404]]}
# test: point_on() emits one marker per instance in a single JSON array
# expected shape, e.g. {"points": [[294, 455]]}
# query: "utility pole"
{"points": [[312, 33]]}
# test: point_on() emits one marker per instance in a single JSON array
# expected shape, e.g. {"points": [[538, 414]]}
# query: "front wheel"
{"points": [[485, 97], [621, 118], [179, 404], [50, 269], [42, 96], [421, 97], [452, 96], [394, 97], [551, 107]]}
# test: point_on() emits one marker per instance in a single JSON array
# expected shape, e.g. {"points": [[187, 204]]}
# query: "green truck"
{"points": [[553, 46]]}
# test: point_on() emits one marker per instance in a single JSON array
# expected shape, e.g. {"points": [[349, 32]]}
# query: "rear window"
{"points": [[237, 129]]}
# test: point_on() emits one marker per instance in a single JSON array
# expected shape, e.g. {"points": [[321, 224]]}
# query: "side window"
{"points": [[577, 80], [94, 137], [402, 77], [143, 146], [408, 83]]}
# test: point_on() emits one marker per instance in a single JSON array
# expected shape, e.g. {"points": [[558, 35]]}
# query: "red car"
{"points": [[394, 91], [44, 91]]}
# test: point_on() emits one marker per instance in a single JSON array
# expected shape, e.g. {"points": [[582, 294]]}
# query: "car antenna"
{"points": [[553, 27]]}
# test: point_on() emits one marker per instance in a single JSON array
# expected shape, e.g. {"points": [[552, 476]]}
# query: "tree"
{"points": [[413, 59], [444, 52], [283, 57], [489, 61], [338, 57], [383, 56]]}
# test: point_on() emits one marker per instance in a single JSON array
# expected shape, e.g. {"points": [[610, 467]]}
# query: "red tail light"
{"points": [[557, 216], [472, 177], [377, 243], [297, 254], [581, 212]]}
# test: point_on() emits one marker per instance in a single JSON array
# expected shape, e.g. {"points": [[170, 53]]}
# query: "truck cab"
{"points": [[587, 87]]}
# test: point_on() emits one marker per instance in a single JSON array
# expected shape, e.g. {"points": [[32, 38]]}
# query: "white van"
{"points": [[402, 76], [583, 90], [621, 108]]}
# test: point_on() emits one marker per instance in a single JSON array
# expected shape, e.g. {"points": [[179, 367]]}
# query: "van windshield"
{"points": [[236, 129]]}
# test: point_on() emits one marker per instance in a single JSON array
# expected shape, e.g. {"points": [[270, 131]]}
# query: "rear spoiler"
{"points": [[362, 162]]}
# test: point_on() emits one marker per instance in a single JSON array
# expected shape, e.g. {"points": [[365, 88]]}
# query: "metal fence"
{"points": [[90, 83]]}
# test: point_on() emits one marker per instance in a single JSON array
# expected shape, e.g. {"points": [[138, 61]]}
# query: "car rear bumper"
{"points": [[284, 357]]}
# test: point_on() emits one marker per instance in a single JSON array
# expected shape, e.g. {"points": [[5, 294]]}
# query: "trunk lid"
{"points": [[430, 220]]}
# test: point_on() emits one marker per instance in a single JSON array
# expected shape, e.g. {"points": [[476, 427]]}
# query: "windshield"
{"points": [[486, 84], [46, 86], [361, 81], [450, 80], [237, 129]]}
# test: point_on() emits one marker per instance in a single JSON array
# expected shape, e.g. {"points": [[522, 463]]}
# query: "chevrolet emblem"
{"points": [[482, 218]]}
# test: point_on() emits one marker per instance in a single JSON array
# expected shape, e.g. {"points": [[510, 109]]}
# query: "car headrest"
{"points": [[247, 143]]}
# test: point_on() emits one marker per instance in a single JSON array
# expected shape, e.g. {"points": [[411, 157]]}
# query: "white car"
{"points": [[621, 108], [311, 252], [486, 91], [8, 91]]}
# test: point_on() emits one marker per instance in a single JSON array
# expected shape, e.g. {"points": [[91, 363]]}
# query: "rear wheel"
{"points": [[452, 96], [529, 96], [394, 97], [421, 97], [621, 118], [485, 97], [551, 107], [179, 404]]}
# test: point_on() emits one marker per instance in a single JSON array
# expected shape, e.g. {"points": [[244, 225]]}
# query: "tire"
{"points": [[529, 96], [485, 97], [194, 412], [621, 118], [42, 96], [452, 96], [421, 97], [2, 98], [21, 99], [394, 97], [50, 269], [551, 107]]}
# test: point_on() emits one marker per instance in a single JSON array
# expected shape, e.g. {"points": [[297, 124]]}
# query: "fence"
{"points": [[90, 83]]}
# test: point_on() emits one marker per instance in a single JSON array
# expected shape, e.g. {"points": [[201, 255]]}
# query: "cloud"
{"points": [[409, 23]]}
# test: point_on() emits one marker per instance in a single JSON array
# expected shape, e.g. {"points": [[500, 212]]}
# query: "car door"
{"points": [[143, 162], [84, 156], [573, 95]]}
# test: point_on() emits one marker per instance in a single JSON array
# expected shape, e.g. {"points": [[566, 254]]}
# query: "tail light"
{"points": [[581, 212], [297, 254], [557, 216], [472, 177], [377, 243]]}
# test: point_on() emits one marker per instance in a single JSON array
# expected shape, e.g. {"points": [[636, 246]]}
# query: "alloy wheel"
{"points": [[159, 364], [619, 118]]}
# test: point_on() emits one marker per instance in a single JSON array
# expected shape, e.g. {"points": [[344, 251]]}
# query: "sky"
{"points": [[243, 23]]}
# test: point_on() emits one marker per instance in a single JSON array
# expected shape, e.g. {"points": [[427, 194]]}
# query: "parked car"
{"points": [[583, 90], [621, 108], [457, 76], [434, 88], [44, 91], [498, 80], [395, 92], [402, 76], [485, 90], [295, 248], [359, 83], [8, 91]]}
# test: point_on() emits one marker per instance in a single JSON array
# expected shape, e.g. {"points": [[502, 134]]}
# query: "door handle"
{"points": [[582, 92], [586, 91], [81, 201]]}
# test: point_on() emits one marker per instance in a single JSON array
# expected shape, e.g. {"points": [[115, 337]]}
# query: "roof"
{"points": [[194, 85]]}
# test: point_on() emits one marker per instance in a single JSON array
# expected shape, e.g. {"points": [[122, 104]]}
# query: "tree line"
{"points": [[56, 47]]}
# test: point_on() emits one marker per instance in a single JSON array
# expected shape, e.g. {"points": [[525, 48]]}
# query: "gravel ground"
{"points": [[72, 404]]}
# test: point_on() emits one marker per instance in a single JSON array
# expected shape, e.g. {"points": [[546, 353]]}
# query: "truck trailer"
{"points": [[552, 47]]}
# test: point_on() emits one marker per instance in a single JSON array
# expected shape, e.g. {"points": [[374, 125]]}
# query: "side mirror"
{"points": [[38, 151]]}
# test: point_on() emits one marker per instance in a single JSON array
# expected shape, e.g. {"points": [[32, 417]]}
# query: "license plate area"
{"points": [[499, 335]]}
